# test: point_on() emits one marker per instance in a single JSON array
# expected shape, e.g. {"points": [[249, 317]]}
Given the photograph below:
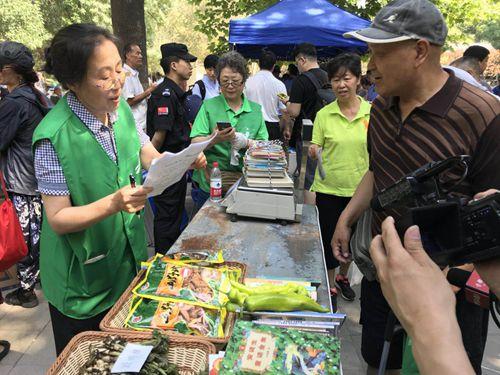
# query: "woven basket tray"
{"points": [[190, 355], [115, 319]]}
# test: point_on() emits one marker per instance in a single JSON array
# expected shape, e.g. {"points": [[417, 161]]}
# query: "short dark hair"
{"points": [[234, 61], [477, 52], [306, 49], [267, 59], [71, 48], [167, 61], [128, 48], [210, 61], [467, 63], [293, 70], [345, 62]]}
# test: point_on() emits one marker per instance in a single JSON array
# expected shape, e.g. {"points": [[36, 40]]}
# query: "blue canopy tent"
{"points": [[290, 22]]}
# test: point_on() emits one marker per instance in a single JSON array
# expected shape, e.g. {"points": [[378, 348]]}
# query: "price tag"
{"points": [[132, 358]]}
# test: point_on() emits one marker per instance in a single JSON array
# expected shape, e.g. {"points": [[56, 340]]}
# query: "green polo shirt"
{"points": [[247, 120], [345, 153]]}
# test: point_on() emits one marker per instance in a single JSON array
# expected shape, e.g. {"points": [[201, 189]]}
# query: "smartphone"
{"points": [[223, 125]]}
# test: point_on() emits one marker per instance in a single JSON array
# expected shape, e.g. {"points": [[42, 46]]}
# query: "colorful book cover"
{"points": [[260, 349]]}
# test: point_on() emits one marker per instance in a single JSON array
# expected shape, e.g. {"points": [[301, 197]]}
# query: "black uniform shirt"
{"points": [[166, 112]]}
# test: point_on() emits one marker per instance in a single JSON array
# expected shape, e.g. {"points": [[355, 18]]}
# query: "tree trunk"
{"points": [[129, 25]]}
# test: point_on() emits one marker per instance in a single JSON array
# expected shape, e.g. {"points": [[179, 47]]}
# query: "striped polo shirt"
{"points": [[460, 119]]}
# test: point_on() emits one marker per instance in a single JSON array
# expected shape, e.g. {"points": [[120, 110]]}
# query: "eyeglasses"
{"points": [[110, 84], [229, 83]]}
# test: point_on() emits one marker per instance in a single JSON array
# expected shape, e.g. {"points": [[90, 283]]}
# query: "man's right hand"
{"points": [[151, 88], [313, 151], [340, 242]]}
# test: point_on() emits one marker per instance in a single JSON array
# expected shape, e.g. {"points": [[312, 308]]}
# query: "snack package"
{"points": [[180, 317], [203, 257], [169, 280], [260, 349]]}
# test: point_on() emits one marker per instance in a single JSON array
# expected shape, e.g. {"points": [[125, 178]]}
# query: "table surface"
{"points": [[268, 248]]}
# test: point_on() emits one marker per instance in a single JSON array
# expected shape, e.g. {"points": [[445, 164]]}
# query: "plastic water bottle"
{"points": [[215, 183]]}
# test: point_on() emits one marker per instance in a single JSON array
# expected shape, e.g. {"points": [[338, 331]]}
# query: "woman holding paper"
{"points": [[339, 131], [86, 149]]}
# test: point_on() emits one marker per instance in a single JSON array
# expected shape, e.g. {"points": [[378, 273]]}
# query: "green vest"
{"points": [[84, 273]]}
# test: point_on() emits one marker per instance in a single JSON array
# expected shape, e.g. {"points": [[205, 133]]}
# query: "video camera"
{"points": [[454, 231]]}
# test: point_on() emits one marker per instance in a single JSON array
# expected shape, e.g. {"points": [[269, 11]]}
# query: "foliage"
{"points": [[172, 23], [22, 21], [490, 32], [59, 13]]}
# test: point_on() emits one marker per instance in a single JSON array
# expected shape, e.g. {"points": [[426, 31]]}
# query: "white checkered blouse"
{"points": [[51, 180]]}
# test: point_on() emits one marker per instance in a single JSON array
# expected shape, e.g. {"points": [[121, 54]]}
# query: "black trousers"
{"points": [[329, 208], [273, 129], [473, 321], [65, 328], [168, 217]]}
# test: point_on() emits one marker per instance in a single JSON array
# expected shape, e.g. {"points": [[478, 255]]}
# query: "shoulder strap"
{"points": [[42, 108], [203, 89], [314, 80], [4, 188]]}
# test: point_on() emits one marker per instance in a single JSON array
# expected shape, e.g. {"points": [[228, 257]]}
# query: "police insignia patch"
{"points": [[162, 111]]}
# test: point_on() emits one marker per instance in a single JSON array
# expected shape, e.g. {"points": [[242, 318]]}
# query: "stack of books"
{"points": [[266, 166]]}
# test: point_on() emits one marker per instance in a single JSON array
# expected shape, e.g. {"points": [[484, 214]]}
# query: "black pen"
{"points": [[132, 184]]}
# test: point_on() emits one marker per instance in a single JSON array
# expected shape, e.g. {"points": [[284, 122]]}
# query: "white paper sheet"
{"points": [[169, 168], [132, 358]]}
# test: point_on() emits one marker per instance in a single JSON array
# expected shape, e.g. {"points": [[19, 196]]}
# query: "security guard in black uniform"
{"points": [[168, 128]]}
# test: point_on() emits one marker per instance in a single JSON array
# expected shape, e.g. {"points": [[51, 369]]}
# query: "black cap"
{"points": [[176, 49], [404, 20], [16, 53]]}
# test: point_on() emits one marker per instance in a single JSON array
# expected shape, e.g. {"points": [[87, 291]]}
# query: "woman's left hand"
{"points": [[200, 162]]}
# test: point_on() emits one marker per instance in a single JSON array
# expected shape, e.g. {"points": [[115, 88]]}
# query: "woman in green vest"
{"points": [[340, 131], [231, 106], [87, 152]]}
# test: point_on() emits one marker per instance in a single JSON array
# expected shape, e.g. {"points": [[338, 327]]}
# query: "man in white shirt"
{"points": [[263, 88], [208, 87], [132, 89]]}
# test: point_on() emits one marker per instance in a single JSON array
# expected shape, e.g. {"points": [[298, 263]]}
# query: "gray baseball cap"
{"points": [[16, 53], [404, 20]]}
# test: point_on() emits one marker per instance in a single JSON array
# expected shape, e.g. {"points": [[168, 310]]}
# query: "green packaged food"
{"points": [[169, 280], [260, 349], [180, 317]]}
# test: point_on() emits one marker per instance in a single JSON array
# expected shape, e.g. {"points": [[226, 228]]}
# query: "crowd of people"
{"points": [[68, 159]]}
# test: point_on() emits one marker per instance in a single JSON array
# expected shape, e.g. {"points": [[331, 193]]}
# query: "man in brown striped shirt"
{"points": [[423, 113]]}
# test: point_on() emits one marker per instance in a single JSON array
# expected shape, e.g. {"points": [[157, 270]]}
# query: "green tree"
{"points": [[59, 13], [22, 21]]}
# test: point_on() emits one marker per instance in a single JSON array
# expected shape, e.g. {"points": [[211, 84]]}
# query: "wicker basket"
{"points": [[190, 355], [115, 319]]}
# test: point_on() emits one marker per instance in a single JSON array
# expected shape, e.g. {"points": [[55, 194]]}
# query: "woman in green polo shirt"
{"points": [[340, 130], [233, 107], [88, 151]]}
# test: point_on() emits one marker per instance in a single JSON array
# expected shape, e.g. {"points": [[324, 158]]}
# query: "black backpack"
{"points": [[203, 89], [324, 93]]}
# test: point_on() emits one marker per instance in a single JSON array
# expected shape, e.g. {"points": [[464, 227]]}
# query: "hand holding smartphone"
{"points": [[223, 125]]}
